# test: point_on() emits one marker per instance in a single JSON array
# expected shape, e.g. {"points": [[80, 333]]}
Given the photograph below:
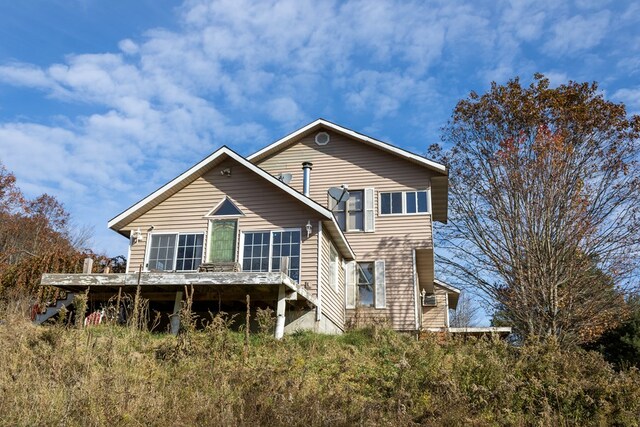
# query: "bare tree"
{"points": [[466, 313], [544, 205]]}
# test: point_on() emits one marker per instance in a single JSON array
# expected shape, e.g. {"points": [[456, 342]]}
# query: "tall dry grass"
{"points": [[113, 375]]}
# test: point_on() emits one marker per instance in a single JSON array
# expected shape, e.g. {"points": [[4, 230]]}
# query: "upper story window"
{"points": [[356, 213], [264, 250], [404, 202], [175, 251], [350, 213]]}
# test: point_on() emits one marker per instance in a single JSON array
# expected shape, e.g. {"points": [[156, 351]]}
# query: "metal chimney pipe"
{"points": [[306, 176]]}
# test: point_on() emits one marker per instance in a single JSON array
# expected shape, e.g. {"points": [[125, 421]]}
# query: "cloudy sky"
{"points": [[103, 101]]}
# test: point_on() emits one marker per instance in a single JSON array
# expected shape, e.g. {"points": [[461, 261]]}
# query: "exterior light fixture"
{"points": [[309, 228]]}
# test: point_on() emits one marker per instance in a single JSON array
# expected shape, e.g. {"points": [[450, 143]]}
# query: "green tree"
{"points": [[621, 345], [544, 205]]}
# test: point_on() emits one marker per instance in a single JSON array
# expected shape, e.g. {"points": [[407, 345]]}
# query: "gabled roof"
{"points": [[320, 123], [439, 181], [454, 293], [203, 166]]}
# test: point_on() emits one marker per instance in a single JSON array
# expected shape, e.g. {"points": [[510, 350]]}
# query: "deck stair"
{"points": [[64, 300]]}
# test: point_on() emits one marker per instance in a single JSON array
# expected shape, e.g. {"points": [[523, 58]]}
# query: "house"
{"points": [[327, 226]]}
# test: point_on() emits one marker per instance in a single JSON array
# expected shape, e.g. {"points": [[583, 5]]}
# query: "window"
{"points": [[175, 251], [226, 207], [357, 213], [222, 241], [365, 283], [403, 202], [263, 251], [333, 268]]}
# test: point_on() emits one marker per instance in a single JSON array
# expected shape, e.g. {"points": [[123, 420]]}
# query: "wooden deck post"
{"points": [[280, 308], [87, 266], [175, 317]]}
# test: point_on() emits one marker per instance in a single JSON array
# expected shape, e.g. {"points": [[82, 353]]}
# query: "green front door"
{"points": [[222, 241]]}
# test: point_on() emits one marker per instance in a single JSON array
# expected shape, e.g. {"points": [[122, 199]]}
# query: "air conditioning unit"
{"points": [[429, 300]]}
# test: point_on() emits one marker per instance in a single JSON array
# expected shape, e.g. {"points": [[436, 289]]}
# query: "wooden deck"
{"points": [[157, 285]]}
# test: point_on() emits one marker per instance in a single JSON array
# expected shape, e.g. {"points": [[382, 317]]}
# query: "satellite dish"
{"points": [[339, 194], [285, 177]]}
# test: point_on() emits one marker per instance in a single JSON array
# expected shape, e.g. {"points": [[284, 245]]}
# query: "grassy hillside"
{"points": [[111, 375]]}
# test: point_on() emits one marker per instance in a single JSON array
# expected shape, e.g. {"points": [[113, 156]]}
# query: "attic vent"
{"points": [[322, 138]]}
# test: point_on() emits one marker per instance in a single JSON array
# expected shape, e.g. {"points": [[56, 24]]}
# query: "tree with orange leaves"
{"points": [[36, 238], [544, 206]]}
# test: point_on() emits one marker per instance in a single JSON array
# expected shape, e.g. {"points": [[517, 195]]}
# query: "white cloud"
{"points": [[631, 97], [578, 33], [242, 73]]}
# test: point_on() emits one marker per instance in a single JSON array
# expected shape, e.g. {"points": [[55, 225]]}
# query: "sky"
{"points": [[104, 101]]}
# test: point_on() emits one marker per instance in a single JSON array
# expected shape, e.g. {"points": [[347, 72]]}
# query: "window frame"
{"points": [[352, 285], [270, 259], [404, 202], [359, 285], [346, 211], [177, 235], [207, 245], [334, 268]]}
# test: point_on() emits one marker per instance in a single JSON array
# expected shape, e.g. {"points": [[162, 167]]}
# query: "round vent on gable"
{"points": [[322, 138]]}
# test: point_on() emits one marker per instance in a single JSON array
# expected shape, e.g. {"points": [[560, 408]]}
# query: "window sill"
{"points": [[405, 214]]}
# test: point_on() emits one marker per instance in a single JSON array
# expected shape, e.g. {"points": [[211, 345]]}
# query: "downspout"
{"points": [[416, 307], [126, 270], [446, 305], [319, 264]]}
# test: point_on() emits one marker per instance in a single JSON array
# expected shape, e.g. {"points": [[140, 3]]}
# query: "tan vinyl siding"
{"points": [[346, 161], [436, 317], [265, 208], [332, 300]]}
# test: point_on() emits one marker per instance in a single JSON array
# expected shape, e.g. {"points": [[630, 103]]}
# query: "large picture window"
{"points": [[404, 202], [175, 251], [263, 251]]}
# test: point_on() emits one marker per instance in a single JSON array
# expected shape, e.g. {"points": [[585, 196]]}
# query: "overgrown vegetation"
{"points": [[36, 236], [113, 375]]}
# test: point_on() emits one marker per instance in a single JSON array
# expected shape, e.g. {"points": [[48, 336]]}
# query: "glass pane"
{"points": [[396, 203], [356, 221], [365, 273], [188, 252], [411, 202], [222, 247], [365, 295], [422, 201], [385, 203], [227, 208], [355, 201]]}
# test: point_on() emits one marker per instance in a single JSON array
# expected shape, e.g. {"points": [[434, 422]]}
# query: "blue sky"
{"points": [[103, 101]]}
